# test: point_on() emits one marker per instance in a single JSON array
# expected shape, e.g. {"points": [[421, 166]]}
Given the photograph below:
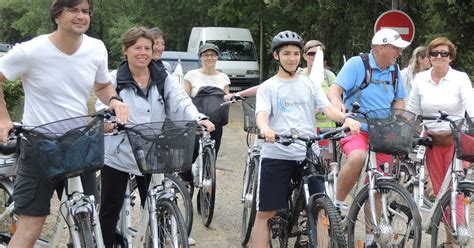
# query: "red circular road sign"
{"points": [[398, 21]]}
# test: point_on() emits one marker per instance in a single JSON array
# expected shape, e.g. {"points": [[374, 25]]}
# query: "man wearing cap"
{"points": [[387, 46]]}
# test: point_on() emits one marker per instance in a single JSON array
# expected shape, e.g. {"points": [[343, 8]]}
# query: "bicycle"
{"points": [[66, 154], [252, 163], [7, 173], [390, 215], [307, 214], [456, 185], [204, 176], [158, 148]]}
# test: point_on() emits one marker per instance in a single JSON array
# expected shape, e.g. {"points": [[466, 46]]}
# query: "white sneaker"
{"points": [[191, 241], [342, 208]]}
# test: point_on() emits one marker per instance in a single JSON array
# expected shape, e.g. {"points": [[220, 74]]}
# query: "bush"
{"points": [[14, 98]]}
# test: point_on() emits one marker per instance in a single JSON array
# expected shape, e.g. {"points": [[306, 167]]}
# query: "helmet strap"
{"points": [[285, 70]]}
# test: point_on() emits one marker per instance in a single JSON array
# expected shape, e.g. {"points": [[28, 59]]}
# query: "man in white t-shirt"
{"points": [[58, 70]]}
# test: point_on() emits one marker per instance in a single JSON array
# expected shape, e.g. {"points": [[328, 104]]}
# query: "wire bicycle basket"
{"points": [[390, 130], [163, 147], [463, 134], [249, 115], [64, 152]]}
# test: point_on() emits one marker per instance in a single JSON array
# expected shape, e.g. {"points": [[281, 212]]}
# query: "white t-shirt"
{"points": [[291, 104], [199, 79], [453, 95], [57, 86]]}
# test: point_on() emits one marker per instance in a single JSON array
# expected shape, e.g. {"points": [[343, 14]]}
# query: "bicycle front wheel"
{"points": [[207, 193], [86, 238], [171, 226], [398, 221], [463, 235], [250, 197], [325, 228], [6, 209], [183, 200]]}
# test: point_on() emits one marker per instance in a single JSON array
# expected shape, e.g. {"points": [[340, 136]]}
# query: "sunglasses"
{"points": [[443, 54], [311, 54]]}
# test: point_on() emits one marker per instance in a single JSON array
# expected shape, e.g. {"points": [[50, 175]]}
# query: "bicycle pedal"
{"points": [[302, 244], [277, 226]]}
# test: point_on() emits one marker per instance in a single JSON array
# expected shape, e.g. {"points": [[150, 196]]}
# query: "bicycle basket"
{"points": [[160, 148], [249, 115], [64, 152], [390, 130], [463, 133]]}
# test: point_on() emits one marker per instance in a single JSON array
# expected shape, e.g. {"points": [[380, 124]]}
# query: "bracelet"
{"points": [[118, 98]]}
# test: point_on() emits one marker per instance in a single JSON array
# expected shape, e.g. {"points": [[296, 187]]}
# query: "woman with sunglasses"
{"points": [[441, 88], [309, 53]]}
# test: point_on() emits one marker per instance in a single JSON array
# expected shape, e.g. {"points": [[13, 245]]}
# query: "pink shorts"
{"points": [[361, 142]]}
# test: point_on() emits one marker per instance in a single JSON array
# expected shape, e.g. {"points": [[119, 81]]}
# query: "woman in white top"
{"points": [[441, 88], [207, 75], [419, 62]]}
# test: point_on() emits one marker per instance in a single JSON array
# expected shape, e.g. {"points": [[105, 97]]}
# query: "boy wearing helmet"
{"points": [[286, 101]]}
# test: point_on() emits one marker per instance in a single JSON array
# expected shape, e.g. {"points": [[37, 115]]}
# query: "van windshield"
{"points": [[235, 50]]}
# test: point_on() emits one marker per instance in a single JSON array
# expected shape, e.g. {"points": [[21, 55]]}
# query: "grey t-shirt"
{"points": [[291, 104]]}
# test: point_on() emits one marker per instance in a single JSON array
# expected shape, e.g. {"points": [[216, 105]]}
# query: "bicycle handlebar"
{"points": [[424, 141], [234, 99], [285, 138]]}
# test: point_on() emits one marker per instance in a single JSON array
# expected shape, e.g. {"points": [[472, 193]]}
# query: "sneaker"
{"points": [[342, 208], [370, 244], [191, 241]]}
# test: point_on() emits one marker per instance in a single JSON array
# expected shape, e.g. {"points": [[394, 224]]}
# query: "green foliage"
{"points": [[346, 27], [13, 92]]}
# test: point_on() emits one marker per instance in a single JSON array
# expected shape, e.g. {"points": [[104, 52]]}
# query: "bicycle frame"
{"points": [[452, 180], [156, 190], [252, 152], [372, 174], [73, 201], [197, 167]]}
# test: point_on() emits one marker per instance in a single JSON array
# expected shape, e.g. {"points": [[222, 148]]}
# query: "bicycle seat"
{"points": [[8, 148]]}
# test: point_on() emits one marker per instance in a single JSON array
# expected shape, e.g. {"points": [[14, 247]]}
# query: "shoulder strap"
{"points": [[395, 81], [367, 79]]}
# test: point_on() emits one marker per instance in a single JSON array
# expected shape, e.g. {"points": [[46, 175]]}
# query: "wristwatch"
{"points": [[118, 98]]}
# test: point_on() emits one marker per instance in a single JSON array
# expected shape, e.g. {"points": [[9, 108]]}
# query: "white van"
{"points": [[237, 58]]}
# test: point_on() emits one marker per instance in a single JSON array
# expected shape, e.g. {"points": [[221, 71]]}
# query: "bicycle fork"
{"points": [[80, 203], [154, 195]]}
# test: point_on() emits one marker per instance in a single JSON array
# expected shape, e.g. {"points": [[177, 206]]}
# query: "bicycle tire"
{"points": [[329, 224], [207, 193], [84, 225], [6, 201], [467, 190], [402, 207], [250, 208], [184, 201], [169, 221]]}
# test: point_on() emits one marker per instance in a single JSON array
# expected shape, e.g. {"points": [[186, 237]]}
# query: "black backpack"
{"points": [[208, 101], [368, 78]]}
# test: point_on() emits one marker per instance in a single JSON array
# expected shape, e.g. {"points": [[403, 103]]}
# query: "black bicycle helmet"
{"points": [[287, 38]]}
